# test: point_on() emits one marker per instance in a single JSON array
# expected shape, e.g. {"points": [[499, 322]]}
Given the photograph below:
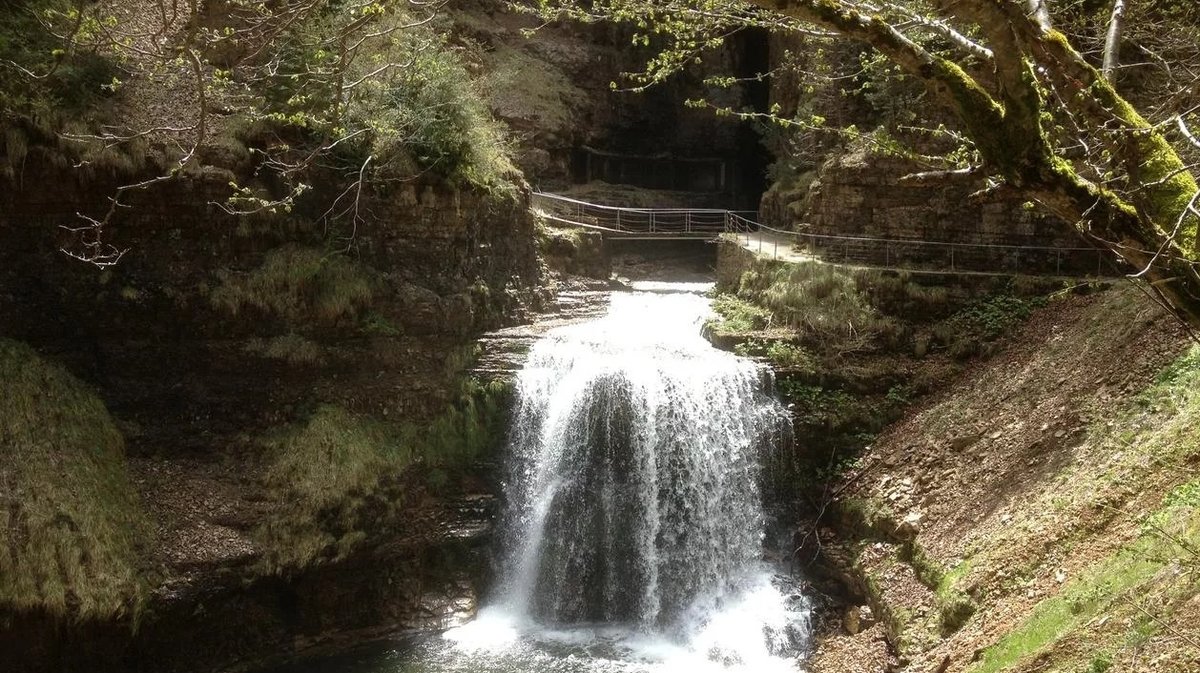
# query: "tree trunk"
{"points": [[1112, 44], [1040, 11]]}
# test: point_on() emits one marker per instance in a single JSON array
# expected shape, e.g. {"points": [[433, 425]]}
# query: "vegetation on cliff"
{"points": [[339, 476], [333, 101], [71, 523], [296, 284], [1029, 111]]}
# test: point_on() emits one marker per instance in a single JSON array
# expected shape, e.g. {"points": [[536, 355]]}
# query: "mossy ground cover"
{"points": [[71, 522], [331, 477]]}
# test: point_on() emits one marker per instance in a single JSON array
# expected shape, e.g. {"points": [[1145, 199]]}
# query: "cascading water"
{"points": [[634, 533], [635, 516]]}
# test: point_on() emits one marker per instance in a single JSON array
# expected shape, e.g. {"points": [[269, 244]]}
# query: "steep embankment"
{"points": [[999, 475], [1039, 513]]}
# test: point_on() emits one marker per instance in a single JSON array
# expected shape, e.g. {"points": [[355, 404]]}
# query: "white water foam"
{"points": [[635, 525]]}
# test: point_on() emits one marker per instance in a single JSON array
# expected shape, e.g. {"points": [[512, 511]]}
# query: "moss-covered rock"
{"points": [[340, 476]]}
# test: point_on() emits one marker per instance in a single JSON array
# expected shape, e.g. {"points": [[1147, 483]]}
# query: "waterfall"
{"points": [[633, 489]]}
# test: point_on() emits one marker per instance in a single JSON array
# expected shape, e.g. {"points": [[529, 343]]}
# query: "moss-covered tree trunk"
{"points": [[1151, 224]]}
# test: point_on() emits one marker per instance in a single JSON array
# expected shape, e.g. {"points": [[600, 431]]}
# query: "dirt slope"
{"points": [[1038, 514]]}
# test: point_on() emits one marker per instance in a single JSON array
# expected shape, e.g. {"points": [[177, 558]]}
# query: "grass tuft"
{"points": [[295, 283], [290, 348], [324, 469], [71, 520]]}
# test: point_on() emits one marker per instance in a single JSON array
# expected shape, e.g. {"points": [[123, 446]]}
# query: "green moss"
{"points": [[1150, 158], [295, 283], [333, 478], [1090, 595], [70, 529], [928, 571]]}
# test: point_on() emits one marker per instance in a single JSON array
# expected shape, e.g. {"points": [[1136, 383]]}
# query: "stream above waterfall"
{"points": [[634, 531]]}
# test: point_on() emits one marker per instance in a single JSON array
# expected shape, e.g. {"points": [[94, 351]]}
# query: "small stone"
{"points": [[851, 621], [960, 443], [997, 434], [909, 526], [1060, 576]]}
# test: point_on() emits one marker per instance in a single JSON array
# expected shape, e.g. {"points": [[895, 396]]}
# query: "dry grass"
{"points": [[71, 521], [295, 282], [290, 348]]}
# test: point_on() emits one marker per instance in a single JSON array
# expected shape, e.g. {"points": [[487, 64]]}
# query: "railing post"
{"points": [[1058, 262], [652, 221], [952, 257], [618, 220]]}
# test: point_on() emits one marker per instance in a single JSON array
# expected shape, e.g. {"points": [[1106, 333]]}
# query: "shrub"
{"points": [[738, 315], [992, 317], [822, 302], [433, 113]]}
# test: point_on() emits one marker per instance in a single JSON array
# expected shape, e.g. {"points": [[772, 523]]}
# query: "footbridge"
{"points": [[945, 257]]}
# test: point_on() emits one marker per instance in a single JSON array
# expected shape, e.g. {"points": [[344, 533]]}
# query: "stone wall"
{"points": [[863, 195]]}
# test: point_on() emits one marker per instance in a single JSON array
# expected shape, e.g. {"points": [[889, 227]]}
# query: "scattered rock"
{"points": [[960, 443], [910, 525], [851, 621]]}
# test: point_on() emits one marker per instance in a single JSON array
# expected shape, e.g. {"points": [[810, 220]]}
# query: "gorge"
{"points": [[298, 373]]}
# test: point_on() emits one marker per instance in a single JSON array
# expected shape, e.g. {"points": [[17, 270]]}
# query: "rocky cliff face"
{"points": [[298, 423], [555, 91]]}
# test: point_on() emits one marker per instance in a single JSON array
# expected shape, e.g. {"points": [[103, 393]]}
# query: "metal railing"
{"points": [[680, 222], [895, 253], [916, 254]]}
